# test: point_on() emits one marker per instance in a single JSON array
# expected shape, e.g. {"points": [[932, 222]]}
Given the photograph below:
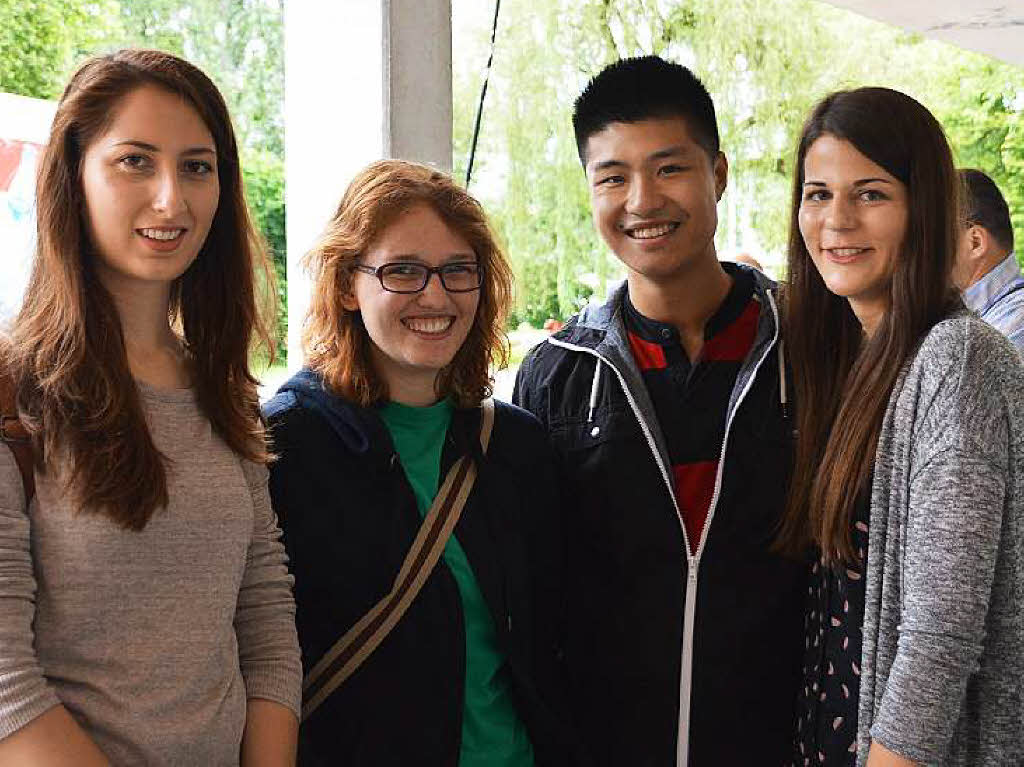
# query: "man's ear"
{"points": [[721, 170], [978, 240]]}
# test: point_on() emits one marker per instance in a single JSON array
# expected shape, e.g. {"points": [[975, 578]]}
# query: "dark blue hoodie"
{"points": [[349, 516]]}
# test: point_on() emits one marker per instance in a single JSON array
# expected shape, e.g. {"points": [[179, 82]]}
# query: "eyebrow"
{"points": [[661, 154], [153, 148], [416, 257], [858, 182]]}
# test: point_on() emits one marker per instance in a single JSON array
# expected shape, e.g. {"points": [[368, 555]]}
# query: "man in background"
{"points": [[986, 267]]}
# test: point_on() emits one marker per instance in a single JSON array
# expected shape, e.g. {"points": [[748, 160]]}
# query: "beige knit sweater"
{"points": [[153, 640]]}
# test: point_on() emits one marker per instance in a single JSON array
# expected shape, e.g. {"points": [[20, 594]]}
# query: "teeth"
{"points": [[162, 234], [429, 324], [844, 252], [650, 232]]}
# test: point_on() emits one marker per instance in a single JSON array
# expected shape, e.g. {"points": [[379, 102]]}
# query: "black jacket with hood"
{"points": [[672, 657], [349, 516]]}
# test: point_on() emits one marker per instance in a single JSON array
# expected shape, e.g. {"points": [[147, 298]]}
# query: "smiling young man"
{"points": [[667, 407]]}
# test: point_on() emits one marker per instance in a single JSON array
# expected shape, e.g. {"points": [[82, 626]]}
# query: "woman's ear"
{"points": [[346, 292], [349, 301]]}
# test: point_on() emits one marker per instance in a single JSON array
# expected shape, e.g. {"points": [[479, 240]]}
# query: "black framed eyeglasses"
{"points": [[409, 277]]}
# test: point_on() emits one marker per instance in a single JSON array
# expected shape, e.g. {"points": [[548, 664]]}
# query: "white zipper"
{"points": [[728, 426], [686, 670], [693, 561], [686, 676]]}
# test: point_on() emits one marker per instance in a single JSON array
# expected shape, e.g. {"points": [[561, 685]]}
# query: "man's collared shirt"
{"points": [[998, 298]]}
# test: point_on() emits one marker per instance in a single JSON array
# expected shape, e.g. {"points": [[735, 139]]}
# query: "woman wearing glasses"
{"points": [[410, 294]]}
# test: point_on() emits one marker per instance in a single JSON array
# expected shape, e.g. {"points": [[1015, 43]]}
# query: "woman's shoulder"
{"points": [[967, 370], [518, 422], [518, 435], [967, 343]]}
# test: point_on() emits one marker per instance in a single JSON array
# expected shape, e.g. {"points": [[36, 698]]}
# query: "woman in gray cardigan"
{"points": [[909, 476]]}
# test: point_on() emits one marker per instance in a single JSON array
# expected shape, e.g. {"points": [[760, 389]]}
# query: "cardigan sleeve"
{"points": [[268, 648], [951, 538], [24, 691]]}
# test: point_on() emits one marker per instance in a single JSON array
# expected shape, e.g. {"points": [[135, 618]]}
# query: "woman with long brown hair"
{"points": [[146, 614], [428, 618], [909, 474]]}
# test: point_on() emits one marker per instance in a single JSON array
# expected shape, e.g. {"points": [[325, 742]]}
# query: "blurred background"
{"points": [[764, 61]]}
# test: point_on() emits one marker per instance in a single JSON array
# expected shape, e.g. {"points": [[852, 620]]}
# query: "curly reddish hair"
{"points": [[336, 342]]}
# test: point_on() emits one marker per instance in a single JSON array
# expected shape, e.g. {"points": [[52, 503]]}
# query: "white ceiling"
{"points": [[993, 28]]}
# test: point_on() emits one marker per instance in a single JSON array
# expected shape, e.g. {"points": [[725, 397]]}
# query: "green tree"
{"points": [[239, 43], [41, 40], [264, 189]]}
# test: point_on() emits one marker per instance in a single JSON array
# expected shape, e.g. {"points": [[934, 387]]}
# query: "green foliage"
{"points": [[238, 43], [765, 62], [541, 210], [263, 174], [41, 40]]}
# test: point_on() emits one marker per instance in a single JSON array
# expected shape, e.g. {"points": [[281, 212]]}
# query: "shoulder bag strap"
{"points": [[362, 639], [14, 435]]}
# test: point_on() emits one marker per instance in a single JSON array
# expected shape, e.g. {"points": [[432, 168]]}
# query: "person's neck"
{"points": [[686, 300], [154, 351], [986, 265], [869, 314], [414, 391]]}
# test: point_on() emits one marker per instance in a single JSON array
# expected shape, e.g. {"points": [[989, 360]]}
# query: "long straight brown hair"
{"points": [[843, 381], [66, 352]]}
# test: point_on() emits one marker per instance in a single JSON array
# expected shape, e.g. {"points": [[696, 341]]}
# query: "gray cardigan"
{"points": [[943, 655]]}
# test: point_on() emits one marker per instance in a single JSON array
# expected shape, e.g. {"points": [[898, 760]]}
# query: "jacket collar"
{"points": [[600, 330], [361, 429], [980, 296], [595, 322]]}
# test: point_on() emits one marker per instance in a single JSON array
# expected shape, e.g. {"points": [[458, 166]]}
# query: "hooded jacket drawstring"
{"points": [[783, 395], [595, 387]]}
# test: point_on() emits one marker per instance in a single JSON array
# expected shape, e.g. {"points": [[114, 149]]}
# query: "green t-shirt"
{"points": [[493, 735]]}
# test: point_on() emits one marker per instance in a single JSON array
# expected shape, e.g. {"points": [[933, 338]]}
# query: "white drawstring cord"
{"points": [[594, 388], [783, 396]]}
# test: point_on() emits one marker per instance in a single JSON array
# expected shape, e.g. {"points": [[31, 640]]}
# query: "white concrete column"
{"points": [[418, 81], [364, 79]]}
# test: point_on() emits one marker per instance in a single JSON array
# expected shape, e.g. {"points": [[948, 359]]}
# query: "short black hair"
{"points": [[644, 88], [985, 206]]}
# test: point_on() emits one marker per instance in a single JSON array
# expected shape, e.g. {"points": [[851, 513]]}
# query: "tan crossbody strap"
{"points": [[362, 639]]}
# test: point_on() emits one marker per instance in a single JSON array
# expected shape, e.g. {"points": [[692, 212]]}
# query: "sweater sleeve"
{"points": [[24, 691], [954, 519], [268, 648]]}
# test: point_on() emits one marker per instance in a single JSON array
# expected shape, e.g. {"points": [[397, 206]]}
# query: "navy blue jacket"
{"points": [[349, 516]]}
